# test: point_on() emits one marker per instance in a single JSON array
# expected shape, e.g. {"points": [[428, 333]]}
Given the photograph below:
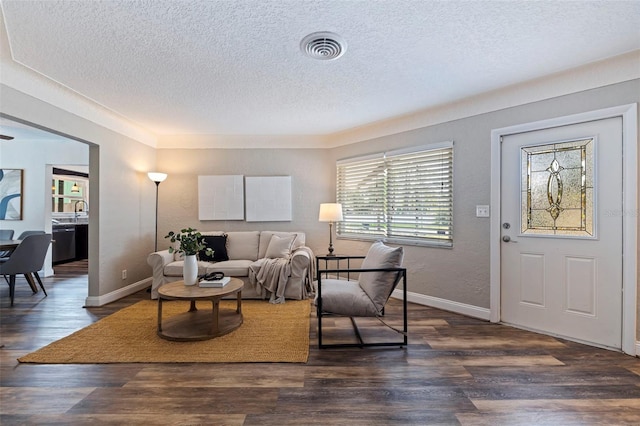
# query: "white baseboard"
{"points": [[444, 304], [637, 349], [92, 301]]}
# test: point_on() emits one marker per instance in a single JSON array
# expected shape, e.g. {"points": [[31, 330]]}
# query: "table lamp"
{"points": [[330, 212]]}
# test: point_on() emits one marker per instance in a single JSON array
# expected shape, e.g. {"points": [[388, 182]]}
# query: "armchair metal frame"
{"points": [[401, 275]]}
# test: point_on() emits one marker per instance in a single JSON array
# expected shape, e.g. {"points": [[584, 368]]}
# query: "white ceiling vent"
{"points": [[325, 46]]}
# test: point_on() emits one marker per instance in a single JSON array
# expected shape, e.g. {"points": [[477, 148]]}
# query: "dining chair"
{"points": [[5, 234], [4, 255], [27, 258], [27, 233]]}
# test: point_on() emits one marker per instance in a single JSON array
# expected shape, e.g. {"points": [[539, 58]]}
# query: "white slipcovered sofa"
{"points": [[248, 253]]}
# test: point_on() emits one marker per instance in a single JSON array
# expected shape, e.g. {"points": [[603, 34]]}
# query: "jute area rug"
{"points": [[269, 333]]}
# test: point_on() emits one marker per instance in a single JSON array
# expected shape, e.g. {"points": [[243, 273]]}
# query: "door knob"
{"points": [[506, 238]]}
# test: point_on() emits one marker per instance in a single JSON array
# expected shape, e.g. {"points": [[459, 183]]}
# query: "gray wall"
{"points": [[310, 173], [459, 274]]}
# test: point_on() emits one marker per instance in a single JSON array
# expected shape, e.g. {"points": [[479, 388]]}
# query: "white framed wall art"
{"points": [[268, 198], [221, 197]]}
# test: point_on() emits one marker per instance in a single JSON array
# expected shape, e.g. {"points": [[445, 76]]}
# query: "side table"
{"points": [[336, 258]]}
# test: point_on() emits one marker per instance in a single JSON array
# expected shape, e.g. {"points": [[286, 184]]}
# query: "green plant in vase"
{"points": [[191, 242]]}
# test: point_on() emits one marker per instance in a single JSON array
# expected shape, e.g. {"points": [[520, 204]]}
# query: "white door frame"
{"points": [[629, 114]]}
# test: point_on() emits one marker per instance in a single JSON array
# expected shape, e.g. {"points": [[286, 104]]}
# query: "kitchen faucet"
{"points": [[75, 208]]}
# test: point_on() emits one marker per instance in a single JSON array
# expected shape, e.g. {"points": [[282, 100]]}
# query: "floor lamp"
{"points": [[330, 212], [157, 178]]}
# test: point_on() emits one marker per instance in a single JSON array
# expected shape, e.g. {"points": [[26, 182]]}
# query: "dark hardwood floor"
{"points": [[456, 370]]}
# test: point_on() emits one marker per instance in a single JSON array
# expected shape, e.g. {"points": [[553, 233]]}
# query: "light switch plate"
{"points": [[482, 211]]}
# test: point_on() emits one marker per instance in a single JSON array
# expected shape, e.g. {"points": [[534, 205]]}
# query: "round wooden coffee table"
{"points": [[199, 324]]}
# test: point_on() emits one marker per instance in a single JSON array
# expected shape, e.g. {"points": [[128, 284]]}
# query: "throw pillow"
{"points": [[378, 285], [217, 243], [279, 247]]}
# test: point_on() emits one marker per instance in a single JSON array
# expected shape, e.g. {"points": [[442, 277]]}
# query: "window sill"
{"points": [[399, 241]]}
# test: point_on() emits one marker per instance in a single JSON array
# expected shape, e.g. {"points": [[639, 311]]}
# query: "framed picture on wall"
{"points": [[11, 194]]}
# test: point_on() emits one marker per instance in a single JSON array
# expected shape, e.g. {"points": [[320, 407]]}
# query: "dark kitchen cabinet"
{"points": [[64, 243], [71, 242], [82, 241]]}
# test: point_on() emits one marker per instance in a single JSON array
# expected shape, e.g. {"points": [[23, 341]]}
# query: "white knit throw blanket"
{"points": [[272, 276]]}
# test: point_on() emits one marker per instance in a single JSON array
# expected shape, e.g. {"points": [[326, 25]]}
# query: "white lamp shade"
{"points": [[156, 176], [330, 212]]}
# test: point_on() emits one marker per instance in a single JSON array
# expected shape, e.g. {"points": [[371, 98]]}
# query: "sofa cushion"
{"points": [[279, 247], [265, 239], [344, 297], [243, 245], [175, 268], [230, 268], [217, 243], [378, 285]]}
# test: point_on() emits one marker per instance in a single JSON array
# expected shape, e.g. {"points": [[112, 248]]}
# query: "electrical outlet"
{"points": [[124, 274], [482, 211]]}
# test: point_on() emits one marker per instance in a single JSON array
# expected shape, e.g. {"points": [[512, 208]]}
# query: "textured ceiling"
{"points": [[235, 67]]}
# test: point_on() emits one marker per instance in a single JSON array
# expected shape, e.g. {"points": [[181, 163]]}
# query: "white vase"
{"points": [[190, 270]]}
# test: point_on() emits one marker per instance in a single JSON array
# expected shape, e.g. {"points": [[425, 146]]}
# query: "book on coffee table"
{"points": [[215, 283]]}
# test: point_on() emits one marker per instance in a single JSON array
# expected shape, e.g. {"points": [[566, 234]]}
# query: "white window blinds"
{"points": [[362, 192], [404, 197]]}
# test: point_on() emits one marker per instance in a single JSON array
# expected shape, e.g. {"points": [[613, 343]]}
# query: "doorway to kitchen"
{"points": [[56, 191], [70, 217]]}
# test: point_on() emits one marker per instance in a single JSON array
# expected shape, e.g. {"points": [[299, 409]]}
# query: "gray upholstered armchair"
{"points": [[378, 276]]}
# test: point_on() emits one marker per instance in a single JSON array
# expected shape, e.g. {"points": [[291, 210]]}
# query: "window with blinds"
{"points": [[401, 196]]}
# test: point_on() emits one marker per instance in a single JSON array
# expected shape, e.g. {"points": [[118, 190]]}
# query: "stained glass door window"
{"points": [[557, 196]]}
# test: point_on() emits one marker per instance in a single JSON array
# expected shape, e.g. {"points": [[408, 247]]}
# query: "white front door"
{"points": [[561, 231]]}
